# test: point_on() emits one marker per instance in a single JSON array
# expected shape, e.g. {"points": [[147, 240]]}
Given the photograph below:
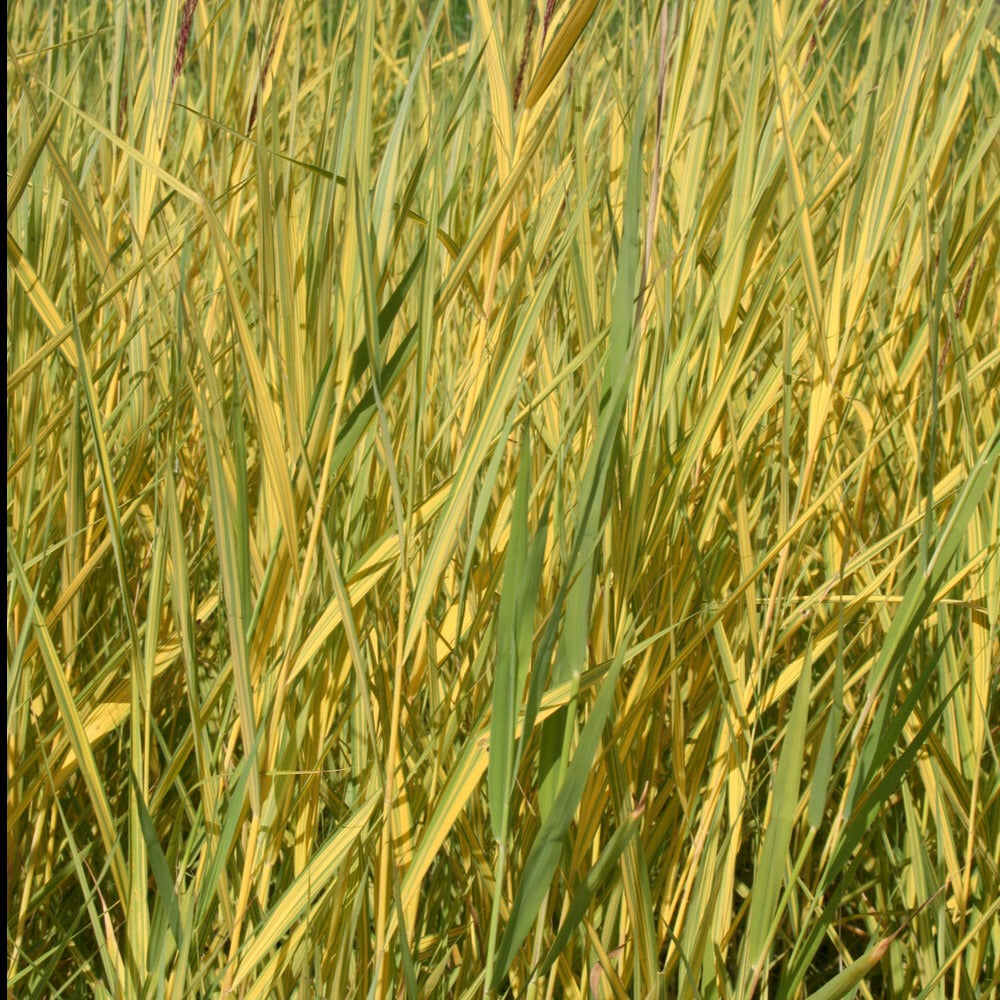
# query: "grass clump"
{"points": [[502, 499]]}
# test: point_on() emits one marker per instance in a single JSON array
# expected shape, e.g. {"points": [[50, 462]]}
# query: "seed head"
{"points": [[529, 29], [550, 9], [183, 37]]}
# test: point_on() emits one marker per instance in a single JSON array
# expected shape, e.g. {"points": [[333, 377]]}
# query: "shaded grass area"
{"points": [[502, 499]]}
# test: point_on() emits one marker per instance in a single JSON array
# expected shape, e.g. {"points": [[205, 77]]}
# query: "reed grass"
{"points": [[502, 499]]}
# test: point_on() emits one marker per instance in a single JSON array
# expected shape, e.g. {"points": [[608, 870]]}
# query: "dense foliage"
{"points": [[502, 498]]}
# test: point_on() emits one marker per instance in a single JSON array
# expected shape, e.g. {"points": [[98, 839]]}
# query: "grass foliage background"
{"points": [[503, 498]]}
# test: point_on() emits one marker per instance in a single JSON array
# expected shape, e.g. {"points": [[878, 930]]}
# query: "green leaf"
{"points": [[543, 858]]}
